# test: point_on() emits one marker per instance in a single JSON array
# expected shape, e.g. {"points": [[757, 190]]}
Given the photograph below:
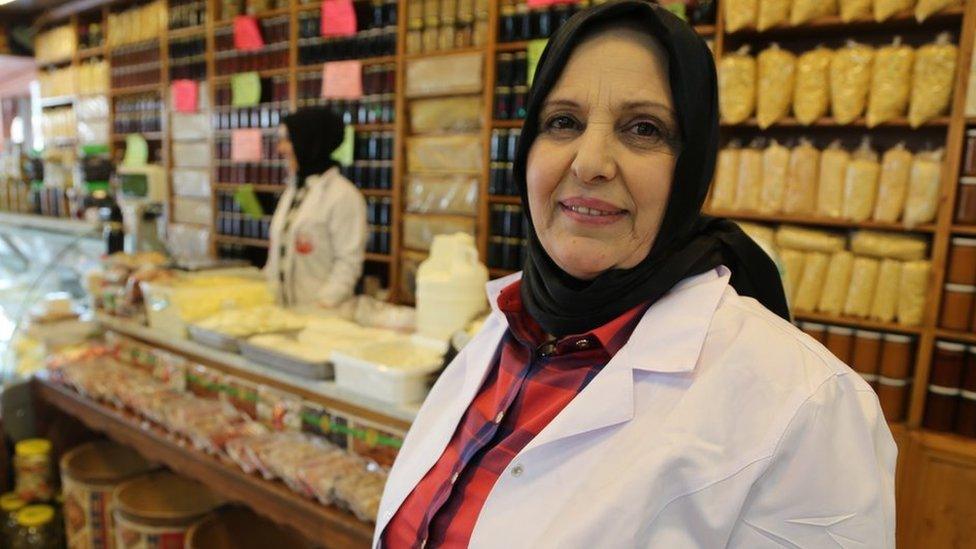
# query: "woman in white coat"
{"points": [[639, 384], [319, 230]]}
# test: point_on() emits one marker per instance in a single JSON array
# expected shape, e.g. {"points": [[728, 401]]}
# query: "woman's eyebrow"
{"points": [[549, 103], [636, 105]]}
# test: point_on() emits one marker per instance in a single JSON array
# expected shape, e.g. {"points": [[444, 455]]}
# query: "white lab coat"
{"points": [[325, 245], [717, 425]]}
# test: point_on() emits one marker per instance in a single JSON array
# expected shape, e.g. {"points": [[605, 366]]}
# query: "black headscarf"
{"points": [[687, 243], [315, 133]]}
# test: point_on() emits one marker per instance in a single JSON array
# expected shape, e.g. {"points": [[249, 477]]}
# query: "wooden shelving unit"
{"points": [[860, 323], [820, 221], [326, 525]]}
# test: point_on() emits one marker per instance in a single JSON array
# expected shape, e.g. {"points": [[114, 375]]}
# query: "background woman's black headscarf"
{"points": [[315, 133], [688, 243]]}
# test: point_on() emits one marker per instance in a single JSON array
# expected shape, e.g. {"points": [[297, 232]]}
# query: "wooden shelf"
{"points": [[309, 7], [379, 258], [834, 23], [828, 122], [62, 101], [705, 30], [376, 192], [186, 32], [512, 46], [861, 323], [443, 53], [137, 89], [964, 229], [374, 127], [257, 187], [379, 60], [266, 73], [967, 337], [503, 199], [253, 242], [150, 136], [507, 124], [819, 221], [91, 52], [258, 15], [274, 500]]}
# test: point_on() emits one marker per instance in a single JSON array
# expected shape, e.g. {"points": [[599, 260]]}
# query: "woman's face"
{"points": [[599, 173], [285, 149]]}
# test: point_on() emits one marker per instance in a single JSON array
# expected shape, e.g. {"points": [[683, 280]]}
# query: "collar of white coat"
{"points": [[677, 323], [321, 178]]}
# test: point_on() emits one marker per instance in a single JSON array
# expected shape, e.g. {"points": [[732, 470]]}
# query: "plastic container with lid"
{"points": [[969, 154], [89, 475], [947, 364], [867, 351], [940, 408], [893, 395], [450, 286], [966, 414], [969, 370], [896, 356], [36, 528], [33, 471], [962, 261], [241, 528], [840, 341], [957, 306], [10, 503], [157, 510], [966, 201], [815, 330]]}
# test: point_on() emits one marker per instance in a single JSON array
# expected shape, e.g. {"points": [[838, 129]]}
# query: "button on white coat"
{"points": [[518, 470]]}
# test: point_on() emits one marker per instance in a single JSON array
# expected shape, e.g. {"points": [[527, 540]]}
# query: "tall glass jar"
{"points": [[35, 528], [33, 471]]}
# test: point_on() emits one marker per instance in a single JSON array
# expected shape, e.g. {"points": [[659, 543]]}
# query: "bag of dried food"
{"points": [[850, 79], [812, 282], [926, 8], [809, 240], [833, 171], [808, 10], [740, 14], [891, 82], [923, 188], [811, 91], [793, 262], [776, 68], [854, 9], [748, 192], [772, 13], [932, 80], [911, 292], [883, 9], [896, 165], [836, 283], [885, 302], [801, 179], [864, 280], [888, 245], [776, 160], [726, 177], [861, 183], [737, 86]]}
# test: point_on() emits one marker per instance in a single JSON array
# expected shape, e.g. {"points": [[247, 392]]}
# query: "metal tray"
{"points": [[287, 363], [210, 338]]}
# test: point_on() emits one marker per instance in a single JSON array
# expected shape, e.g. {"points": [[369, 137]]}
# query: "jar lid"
{"points": [[840, 330], [898, 338], [969, 180], [813, 326], [867, 334], [949, 346], [968, 395], [944, 391], [35, 515], [11, 502], [33, 447], [893, 382], [870, 378], [960, 288], [960, 241]]}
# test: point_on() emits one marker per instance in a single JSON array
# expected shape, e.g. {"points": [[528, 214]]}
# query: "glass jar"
{"points": [[10, 504], [33, 471], [35, 528]]}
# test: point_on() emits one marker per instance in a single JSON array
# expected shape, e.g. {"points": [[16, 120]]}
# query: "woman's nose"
{"points": [[594, 163]]}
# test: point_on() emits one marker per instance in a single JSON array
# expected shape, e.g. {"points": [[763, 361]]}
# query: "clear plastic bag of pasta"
{"points": [[772, 13], [812, 282], [809, 240], [888, 245], [801, 179], [850, 79], [726, 177], [776, 72], [896, 165], [923, 188], [808, 10], [833, 171], [883, 9], [912, 288], [776, 161], [793, 262], [836, 283], [737, 86], [861, 183], [748, 193], [932, 80], [854, 9], [925, 8], [891, 82], [885, 302], [811, 89], [740, 14], [864, 280]]}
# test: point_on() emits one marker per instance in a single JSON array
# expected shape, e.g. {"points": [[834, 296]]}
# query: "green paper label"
{"points": [[248, 201], [245, 89], [343, 154], [535, 49]]}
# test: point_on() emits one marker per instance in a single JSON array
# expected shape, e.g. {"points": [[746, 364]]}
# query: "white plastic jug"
{"points": [[450, 286]]}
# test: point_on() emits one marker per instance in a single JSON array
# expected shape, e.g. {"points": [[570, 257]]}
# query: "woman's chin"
{"points": [[583, 260]]}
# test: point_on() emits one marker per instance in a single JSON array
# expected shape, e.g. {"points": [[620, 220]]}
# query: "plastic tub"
{"points": [[241, 528], [385, 382], [157, 510]]}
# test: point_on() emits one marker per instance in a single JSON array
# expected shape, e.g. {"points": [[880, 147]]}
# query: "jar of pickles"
{"points": [[9, 505], [32, 469], [36, 529]]}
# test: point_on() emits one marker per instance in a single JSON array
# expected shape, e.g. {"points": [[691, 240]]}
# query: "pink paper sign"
{"points": [[245, 145], [247, 34], [342, 80], [543, 3], [185, 95], [338, 18]]}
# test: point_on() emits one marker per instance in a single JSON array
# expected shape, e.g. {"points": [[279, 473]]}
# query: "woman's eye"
{"points": [[561, 122], [645, 129]]}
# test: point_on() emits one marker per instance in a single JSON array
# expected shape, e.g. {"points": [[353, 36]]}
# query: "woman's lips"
{"points": [[591, 211]]}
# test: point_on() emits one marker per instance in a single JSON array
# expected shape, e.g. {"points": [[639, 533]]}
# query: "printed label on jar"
{"points": [[130, 535], [87, 518]]}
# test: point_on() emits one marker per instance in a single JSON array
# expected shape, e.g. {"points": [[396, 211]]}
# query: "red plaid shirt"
{"points": [[530, 383]]}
